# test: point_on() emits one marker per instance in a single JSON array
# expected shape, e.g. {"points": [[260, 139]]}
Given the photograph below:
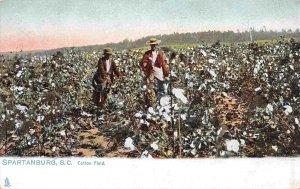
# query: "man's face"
{"points": [[153, 47], [108, 56]]}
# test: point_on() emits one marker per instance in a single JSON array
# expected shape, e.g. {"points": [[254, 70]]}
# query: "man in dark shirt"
{"points": [[104, 76]]}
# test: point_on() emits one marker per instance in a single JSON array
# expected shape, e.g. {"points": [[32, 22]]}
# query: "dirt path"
{"points": [[94, 144]]}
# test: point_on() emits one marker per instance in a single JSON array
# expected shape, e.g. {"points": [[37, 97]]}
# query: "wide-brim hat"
{"points": [[108, 51], [153, 41]]}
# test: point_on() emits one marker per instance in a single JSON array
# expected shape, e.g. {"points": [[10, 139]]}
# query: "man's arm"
{"points": [[115, 69], [163, 64], [145, 64], [101, 69]]}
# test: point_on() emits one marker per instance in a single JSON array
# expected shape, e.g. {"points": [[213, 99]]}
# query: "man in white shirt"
{"points": [[155, 69]]}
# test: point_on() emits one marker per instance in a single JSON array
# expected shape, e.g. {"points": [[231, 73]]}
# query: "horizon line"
{"points": [[75, 46]]}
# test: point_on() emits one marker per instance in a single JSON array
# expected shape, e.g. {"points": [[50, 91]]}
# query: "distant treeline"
{"points": [[201, 38], [207, 37]]}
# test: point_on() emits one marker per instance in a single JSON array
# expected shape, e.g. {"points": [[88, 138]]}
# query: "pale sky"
{"points": [[47, 24]]}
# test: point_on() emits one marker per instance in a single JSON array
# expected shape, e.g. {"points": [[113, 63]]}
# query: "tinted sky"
{"points": [[46, 24]]}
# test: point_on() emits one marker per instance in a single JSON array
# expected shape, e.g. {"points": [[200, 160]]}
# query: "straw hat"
{"points": [[108, 51], [153, 41]]}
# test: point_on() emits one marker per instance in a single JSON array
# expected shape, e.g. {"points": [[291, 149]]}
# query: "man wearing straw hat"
{"points": [[104, 77], [155, 69]]}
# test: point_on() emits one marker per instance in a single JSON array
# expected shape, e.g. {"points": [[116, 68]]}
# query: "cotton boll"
{"points": [[192, 145], [129, 143], [232, 145], [269, 109], [138, 115], [164, 101], [176, 134], [203, 53], [297, 122], [23, 109], [193, 151], [151, 110], [288, 109], [62, 133], [167, 116], [211, 61], [242, 142], [212, 73], [257, 89], [183, 116], [148, 116], [275, 148], [154, 146], [179, 94], [146, 155]]}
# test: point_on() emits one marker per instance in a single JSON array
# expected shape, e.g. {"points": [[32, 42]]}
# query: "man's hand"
{"points": [[108, 79], [167, 78]]}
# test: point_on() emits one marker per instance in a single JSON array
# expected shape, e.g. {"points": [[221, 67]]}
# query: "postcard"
{"points": [[149, 94]]}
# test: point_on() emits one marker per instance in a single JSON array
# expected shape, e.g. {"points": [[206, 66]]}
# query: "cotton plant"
{"points": [[206, 72]]}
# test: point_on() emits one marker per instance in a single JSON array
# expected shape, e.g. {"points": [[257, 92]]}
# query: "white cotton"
{"points": [[183, 116], [154, 146], [190, 84], [200, 145], [173, 74], [187, 76], [19, 73], [138, 115], [40, 118], [232, 145], [275, 148], [129, 143], [149, 116], [85, 114], [31, 131], [212, 89], [222, 153], [211, 61], [203, 53], [202, 86], [19, 89], [142, 121], [192, 145], [256, 69], [18, 123], [220, 132], [175, 134], [175, 106], [242, 142], [269, 109], [166, 116], [151, 110], [23, 109], [193, 151], [212, 73], [164, 101], [179, 94], [297, 121], [257, 89], [288, 109], [62, 133], [54, 148], [146, 155]]}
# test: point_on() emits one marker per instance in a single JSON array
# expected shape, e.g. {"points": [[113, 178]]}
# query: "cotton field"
{"points": [[221, 101]]}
